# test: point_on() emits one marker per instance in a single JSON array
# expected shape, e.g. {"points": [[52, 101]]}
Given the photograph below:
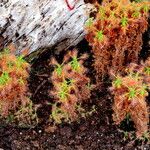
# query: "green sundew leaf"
{"points": [[136, 14], [64, 85], [64, 89], [70, 81], [147, 70], [62, 95], [59, 69], [143, 90], [6, 50], [132, 93], [20, 61], [102, 12], [21, 81], [58, 114], [117, 83], [89, 86], [100, 35], [75, 64], [146, 8], [113, 14], [135, 75], [124, 21], [55, 114], [10, 118], [126, 134], [4, 78], [10, 64], [89, 22]]}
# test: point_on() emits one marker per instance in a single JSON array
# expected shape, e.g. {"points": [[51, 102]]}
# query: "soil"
{"points": [[96, 132]]}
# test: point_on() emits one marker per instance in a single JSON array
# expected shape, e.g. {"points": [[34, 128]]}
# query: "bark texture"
{"points": [[37, 24]]}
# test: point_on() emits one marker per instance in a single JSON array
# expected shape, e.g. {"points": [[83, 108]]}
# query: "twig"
{"points": [[37, 89]]}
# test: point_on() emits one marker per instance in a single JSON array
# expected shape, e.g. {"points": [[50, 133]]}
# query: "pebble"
{"points": [[40, 131]]}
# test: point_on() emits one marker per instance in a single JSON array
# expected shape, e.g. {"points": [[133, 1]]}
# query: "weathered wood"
{"points": [[36, 24]]}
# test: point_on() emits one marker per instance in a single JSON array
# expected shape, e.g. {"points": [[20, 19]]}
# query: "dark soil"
{"points": [[96, 132]]}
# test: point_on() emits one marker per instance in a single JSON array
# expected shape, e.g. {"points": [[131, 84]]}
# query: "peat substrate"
{"points": [[95, 132]]}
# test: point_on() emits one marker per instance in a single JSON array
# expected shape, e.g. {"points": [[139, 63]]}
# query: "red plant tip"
{"points": [[69, 6]]}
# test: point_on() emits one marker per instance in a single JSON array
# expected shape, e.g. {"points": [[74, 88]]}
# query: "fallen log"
{"points": [[36, 24]]}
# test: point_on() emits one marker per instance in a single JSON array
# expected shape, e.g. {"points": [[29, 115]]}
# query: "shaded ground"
{"points": [[97, 132]]}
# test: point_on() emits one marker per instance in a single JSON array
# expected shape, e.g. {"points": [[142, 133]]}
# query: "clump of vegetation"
{"points": [[71, 87], [26, 116], [116, 34], [13, 82], [15, 105], [130, 92]]}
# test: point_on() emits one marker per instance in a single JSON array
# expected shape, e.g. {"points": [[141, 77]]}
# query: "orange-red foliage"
{"points": [[116, 34], [70, 87], [130, 93], [13, 82]]}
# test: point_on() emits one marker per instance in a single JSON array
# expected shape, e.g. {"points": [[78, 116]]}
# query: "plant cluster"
{"points": [[116, 34], [71, 87], [13, 82], [15, 105], [26, 116], [130, 92]]}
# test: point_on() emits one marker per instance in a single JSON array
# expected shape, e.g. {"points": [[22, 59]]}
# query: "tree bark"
{"points": [[36, 24]]}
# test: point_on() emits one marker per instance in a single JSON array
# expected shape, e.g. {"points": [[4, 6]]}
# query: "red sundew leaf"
{"points": [[69, 6], [132, 83]]}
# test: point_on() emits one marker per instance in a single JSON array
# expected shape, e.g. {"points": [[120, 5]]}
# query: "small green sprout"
{"points": [[126, 135], [75, 64], [84, 113], [143, 90], [4, 78], [59, 69], [89, 86], [10, 118], [102, 12], [6, 50], [145, 137], [58, 114], [147, 70], [62, 94], [10, 64], [20, 61], [70, 81], [136, 14], [132, 93], [89, 22], [146, 8], [124, 21], [64, 90], [117, 83], [113, 14], [27, 116], [134, 75], [21, 81], [100, 35]]}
